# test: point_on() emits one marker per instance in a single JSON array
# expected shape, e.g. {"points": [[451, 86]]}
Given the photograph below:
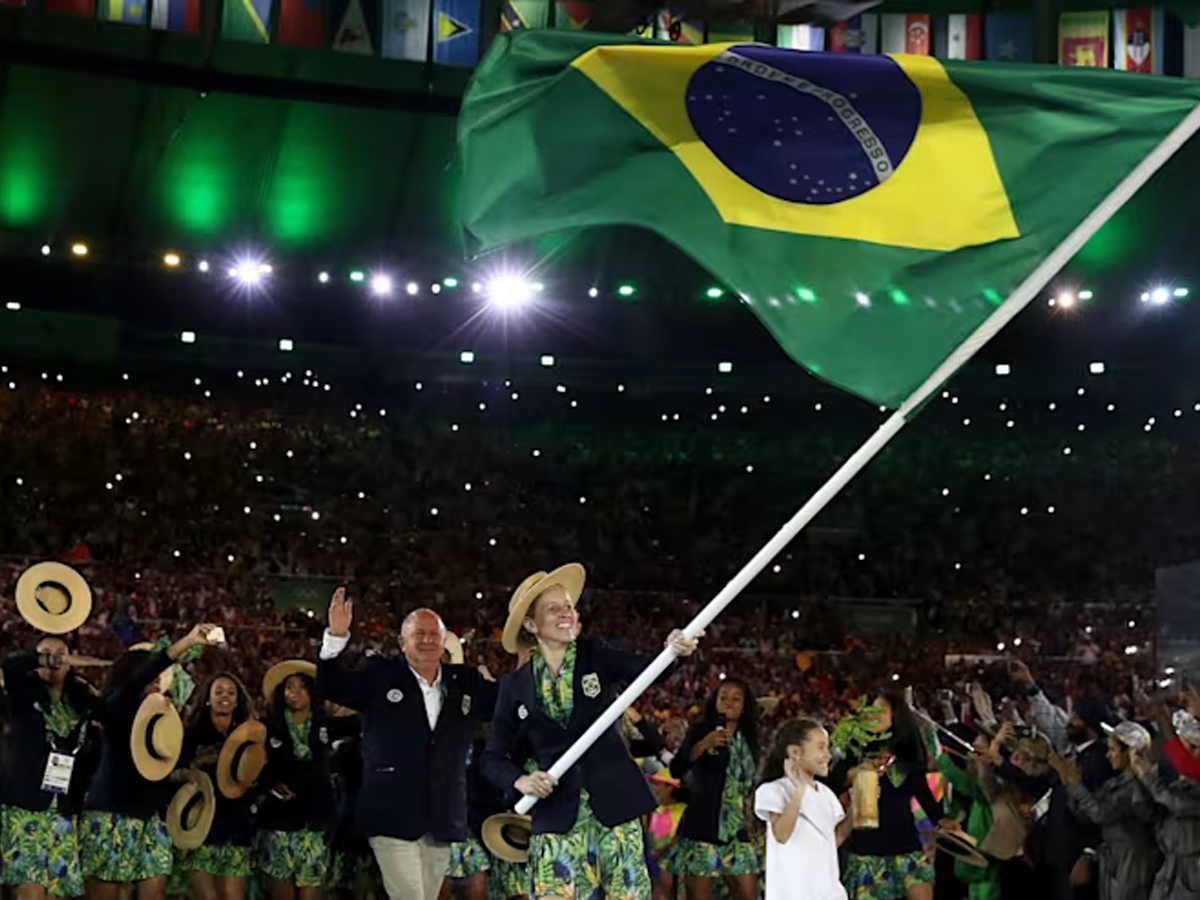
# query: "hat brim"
{"points": [[768, 704], [570, 578], [156, 721], [453, 646], [199, 785], [79, 596], [281, 672], [958, 844], [244, 739], [507, 835]]}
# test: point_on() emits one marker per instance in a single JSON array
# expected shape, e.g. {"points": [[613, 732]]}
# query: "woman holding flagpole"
{"points": [[586, 829]]}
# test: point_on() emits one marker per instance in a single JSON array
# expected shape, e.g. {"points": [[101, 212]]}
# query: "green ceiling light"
{"points": [[450, 282], [1180, 292], [899, 297], [358, 276], [714, 293], [806, 294], [626, 290], [1085, 295]]}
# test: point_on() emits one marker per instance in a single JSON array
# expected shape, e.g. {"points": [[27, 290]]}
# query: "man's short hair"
{"points": [[408, 620]]}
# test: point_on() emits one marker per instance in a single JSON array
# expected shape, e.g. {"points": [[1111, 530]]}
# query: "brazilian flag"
{"points": [[871, 210]]}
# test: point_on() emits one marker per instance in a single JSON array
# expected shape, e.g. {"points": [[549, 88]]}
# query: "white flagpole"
{"points": [[1017, 301]]}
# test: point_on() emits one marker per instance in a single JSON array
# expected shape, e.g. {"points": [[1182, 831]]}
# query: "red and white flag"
{"points": [[964, 38], [1138, 40], [904, 34]]}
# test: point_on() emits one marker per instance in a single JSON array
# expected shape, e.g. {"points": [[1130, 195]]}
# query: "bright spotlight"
{"points": [[79, 249], [1003, 369], [188, 337], [287, 345], [1066, 300], [509, 292], [547, 360], [1159, 296], [1096, 368], [249, 272], [171, 259], [381, 285], [412, 288]]}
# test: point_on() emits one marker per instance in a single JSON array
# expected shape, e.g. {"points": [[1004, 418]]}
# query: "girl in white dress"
{"points": [[806, 821]]}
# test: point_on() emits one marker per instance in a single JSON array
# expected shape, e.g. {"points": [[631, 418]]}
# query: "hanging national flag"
{"points": [[858, 34], [736, 33], [302, 23], [128, 12], [1008, 36], [904, 34], [793, 37], [84, 9], [175, 15], [1138, 40], [516, 14], [964, 36], [353, 34], [456, 32], [1083, 39], [1191, 51], [571, 15], [671, 26], [869, 236], [405, 30], [247, 20]]}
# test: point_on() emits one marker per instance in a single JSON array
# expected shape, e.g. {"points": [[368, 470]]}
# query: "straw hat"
{"points": [[454, 647], [570, 578], [53, 598], [768, 705], [157, 737], [166, 677], [507, 836], [243, 756], [281, 672], [190, 815], [957, 843]]}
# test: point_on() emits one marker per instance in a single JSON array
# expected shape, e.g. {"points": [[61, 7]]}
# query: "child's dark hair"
{"points": [[792, 732]]}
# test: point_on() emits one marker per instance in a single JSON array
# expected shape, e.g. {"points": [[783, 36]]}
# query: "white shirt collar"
{"points": [[437, 681]]}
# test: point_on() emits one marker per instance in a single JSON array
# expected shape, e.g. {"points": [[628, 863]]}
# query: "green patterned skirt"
{"points": [[703, 860], [294, 857], [122, 849], [40, 848], [590, 859], [468, 858], [885, 877], [507, 880], [222, 862]]}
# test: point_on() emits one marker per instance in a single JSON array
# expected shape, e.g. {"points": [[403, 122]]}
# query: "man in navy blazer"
{"points": [[419, 716]]}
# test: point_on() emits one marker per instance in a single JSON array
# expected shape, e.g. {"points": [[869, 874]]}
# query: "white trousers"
{"points": [[412, 870]]}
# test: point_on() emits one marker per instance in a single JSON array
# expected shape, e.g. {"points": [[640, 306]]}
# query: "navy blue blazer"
{"points": [[29, 743], [299, 792], [414, 780], [118, 786], [617, 790], [706, 783]]}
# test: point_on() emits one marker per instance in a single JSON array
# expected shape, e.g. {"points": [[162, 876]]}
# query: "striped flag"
{"points": [[1008, 36], [247, 20], [302, 23], [175, 15], [1138, 40], [456, 32], [405, 32], [1083, 39], [904, 34], [353, 35], [128, 12], [572, 15], [796, 37], [964, 36]]}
